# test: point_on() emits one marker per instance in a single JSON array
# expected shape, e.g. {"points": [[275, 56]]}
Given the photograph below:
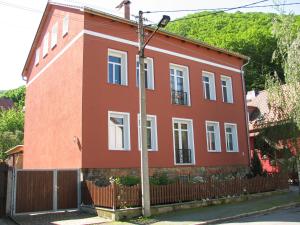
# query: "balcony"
{"points": [[179, 97], [183, 156]]}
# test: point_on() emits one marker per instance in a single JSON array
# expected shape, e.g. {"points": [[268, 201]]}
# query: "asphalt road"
{"points": [[280, 217]]}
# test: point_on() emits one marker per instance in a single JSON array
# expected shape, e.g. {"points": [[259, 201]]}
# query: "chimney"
{"points": [[126, 4]]}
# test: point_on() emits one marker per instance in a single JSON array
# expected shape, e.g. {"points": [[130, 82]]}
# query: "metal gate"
{"points": [[3, 188], [45, 190]]}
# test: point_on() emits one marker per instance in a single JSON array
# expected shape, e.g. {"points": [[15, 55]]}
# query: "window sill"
{"points": [[184, 164], [123, 150], [118, 85], [181, 105], [230, 103], [232, 151], [211, 151]]}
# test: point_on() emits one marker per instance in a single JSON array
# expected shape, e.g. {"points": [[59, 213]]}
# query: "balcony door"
{"points": [[182, 131], [179, 85]]}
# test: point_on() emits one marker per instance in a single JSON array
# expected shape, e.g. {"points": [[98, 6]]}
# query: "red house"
{"points": [[82, 98]]}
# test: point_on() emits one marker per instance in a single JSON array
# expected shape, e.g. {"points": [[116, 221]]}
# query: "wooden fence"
{"points": [[3, 188], [117, 196]]}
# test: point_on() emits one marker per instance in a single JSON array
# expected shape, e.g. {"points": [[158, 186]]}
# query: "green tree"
{"points": [[247, 33], [256, 167], [284, 100], [17, 95], [12, 121]]}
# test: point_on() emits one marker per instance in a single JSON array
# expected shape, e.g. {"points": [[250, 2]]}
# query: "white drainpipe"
{"points": [[246, 108]]}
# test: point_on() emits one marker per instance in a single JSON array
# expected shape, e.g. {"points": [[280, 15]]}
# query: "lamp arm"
{"points": [[147, 41]]}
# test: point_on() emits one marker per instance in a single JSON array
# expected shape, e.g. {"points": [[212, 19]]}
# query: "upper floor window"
{"points": [[149, 73], [151, 132], [65, 29], [180, 88], [118, 131], [183, 141], [209, 90], [117, 67], [46, 44], [37, 56], [213, 136], [54, 35], [231, 137], [227, 89]]}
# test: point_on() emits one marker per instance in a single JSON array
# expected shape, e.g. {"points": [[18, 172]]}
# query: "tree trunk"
{"points": [[298, 170]]}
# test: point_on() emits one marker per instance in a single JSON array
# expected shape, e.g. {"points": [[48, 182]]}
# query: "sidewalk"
{"points": [[203, 215]]}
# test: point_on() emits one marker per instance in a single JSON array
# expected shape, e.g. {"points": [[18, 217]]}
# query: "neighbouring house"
{"points": [[260, 114], [6, 103], [82, 98], [15, 157]]}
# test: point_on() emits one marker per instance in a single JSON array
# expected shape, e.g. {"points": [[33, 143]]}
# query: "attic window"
{"points": [[45, 45], [54, 35], [37, 56], [65, 25]]}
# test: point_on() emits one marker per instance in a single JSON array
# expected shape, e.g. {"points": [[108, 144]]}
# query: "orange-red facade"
{"points": [[68, 97]]}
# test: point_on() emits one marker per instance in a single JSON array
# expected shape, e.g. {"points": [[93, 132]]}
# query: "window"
{"points": [[54, 35], [37, 56], [45, 44], [149, 73], [65, 25], [117, 67], [213, 136], [183, 141], [151, 133], [227, 89], [118, 131], [180, 88], [208, 80], [231, 137]]}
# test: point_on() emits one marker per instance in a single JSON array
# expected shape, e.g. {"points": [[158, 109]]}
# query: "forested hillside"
{"points": [[12, 121], [247, 33]]}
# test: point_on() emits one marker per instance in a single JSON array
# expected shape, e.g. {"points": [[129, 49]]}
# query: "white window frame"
{"points": [[212, 86], [123, 56], [186, 80], [37, 56], [191, 139], [228, 81], [217, 135], [235, 137], [65, 29], [54, 33], [46, 45], [153, 128], [150, 72], [126, 117]]}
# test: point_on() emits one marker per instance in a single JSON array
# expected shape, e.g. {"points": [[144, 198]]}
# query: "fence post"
{"points": [[9, 191], [79, 181], [54, 190], [114, 195]]}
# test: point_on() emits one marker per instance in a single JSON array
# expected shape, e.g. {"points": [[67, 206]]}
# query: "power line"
{"points": [[214, 13], [218, 9]]}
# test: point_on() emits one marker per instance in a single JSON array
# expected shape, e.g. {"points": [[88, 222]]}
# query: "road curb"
{"points": [[259, 212]]}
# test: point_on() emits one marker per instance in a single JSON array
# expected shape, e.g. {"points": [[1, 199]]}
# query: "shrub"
{"points": [[160, 179], [127, 180]]}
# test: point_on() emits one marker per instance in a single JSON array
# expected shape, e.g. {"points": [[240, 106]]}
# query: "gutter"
{"points": [[245, 107]]}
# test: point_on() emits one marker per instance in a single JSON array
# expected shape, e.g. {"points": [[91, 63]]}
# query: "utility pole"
{"points": [[143, 120]]}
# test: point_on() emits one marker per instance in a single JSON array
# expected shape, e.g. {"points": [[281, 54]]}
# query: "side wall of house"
{"points": [[54, 96], [99, 97]]}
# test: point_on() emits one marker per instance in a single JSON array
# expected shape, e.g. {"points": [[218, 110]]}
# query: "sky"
{"points": [[19, 20]]}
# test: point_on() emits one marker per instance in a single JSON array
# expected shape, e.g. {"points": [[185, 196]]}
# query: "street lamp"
{"points": [[142, 101]]}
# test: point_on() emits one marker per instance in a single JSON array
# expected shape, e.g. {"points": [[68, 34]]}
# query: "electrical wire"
{"points": [[221, 9]]}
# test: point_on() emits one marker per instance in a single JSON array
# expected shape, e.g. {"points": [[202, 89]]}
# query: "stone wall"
{"points": [[98, 173]]}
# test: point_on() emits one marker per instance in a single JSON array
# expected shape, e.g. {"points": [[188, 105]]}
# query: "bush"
{"points": [[127, 180], [160, 179]]}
